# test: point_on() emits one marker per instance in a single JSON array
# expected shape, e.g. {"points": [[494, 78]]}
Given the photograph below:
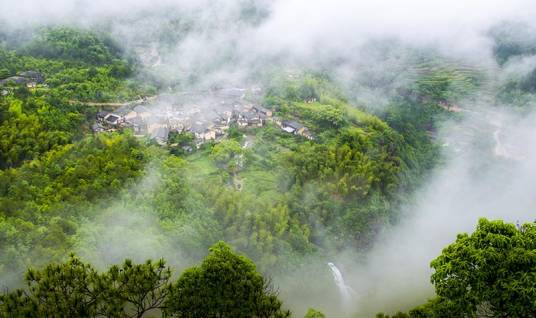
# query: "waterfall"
{"points": [[345, 290]]}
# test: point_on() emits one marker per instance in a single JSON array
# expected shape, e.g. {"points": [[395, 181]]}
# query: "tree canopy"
{"points": [[493, 270], [76, 289], [313, 313], [224, 285], [489, 273]]}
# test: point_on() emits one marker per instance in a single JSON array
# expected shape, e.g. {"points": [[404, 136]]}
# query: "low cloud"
{"points": [[489, 153]]}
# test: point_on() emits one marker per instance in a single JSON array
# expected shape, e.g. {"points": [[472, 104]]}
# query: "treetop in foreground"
{"points": [[224, 285], [489, 273]]}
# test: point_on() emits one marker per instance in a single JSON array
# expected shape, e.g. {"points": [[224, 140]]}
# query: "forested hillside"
{"points": [[323, 173], [347, 181]]}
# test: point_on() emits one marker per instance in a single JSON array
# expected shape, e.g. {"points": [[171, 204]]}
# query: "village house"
{"points": [[247, 118], [296, 128], [202, 134], [209, 134], [221, 125], [242, 122], [239, 119], [29, 78], [114, 120], [292, 127], [101, 115], [34, 78], [253, 120], [110, 120], [264, 111], [107, 122]]}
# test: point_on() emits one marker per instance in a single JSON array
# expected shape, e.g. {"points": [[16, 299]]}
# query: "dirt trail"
{"points": [[130, 103]]}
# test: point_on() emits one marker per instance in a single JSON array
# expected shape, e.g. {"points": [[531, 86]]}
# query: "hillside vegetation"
{"points": [[274, 197]]}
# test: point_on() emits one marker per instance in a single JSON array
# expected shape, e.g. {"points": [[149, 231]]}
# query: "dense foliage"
{"points": [[76, 65], [274, 196], [39, 217], [74, 45], [30, 125], [225, 285], [312, 313], [490, 273], [50, 167]]}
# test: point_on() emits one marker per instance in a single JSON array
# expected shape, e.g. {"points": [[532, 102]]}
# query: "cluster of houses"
{"points": [[207, 121], [142, 121], [28, 78]]}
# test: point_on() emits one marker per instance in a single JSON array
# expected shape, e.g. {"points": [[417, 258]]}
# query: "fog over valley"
{"points": [[285, 158]]}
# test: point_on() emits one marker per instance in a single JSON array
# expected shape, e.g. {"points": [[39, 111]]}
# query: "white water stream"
{"points": [[345, 290]]}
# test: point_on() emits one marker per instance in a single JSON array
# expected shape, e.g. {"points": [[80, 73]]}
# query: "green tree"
{"points": [[75, 289], [491, 272], [224, 285], [133, 290], [74, 45], [313, 313], [228, 154], [235, 133], [64, 290], [180, 142], [4, 73]]}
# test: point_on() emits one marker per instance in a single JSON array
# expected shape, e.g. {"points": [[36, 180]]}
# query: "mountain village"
{"points": [[207, 116]]}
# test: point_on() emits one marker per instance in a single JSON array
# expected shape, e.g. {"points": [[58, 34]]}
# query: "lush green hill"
{"points": [[274, 196]]}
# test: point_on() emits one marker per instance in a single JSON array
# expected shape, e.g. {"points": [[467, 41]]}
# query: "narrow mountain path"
{"points": [[114, 104]]}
